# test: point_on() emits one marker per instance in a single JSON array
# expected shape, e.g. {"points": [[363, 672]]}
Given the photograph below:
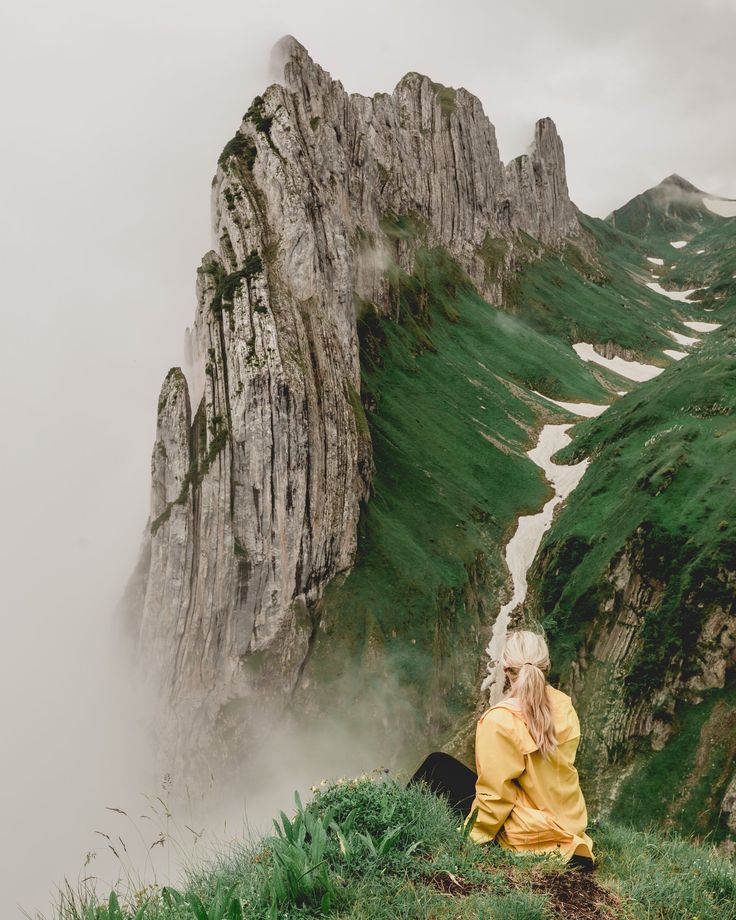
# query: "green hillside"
{"points": [[673, 211], [596, 292], [448, 398], [662, 459], [645, 552], [662, 483]]}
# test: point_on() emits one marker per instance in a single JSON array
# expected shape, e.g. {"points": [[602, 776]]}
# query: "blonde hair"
{"points": [[526, 659]]}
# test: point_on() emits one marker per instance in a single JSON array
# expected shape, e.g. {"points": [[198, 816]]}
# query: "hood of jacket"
{"points": [[564, 717]]}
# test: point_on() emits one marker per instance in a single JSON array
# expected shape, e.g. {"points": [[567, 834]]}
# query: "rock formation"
{"points": [[262, 455], [611, 644]]}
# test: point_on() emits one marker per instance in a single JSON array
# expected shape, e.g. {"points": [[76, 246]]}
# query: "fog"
{"points": [[113, 117]]}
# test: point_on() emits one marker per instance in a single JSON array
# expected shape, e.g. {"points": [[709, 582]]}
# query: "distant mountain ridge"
{"points": [[669, 206]]}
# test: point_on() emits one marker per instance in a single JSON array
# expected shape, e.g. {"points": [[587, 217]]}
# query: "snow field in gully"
{"points": [[522, 548], [524, 545]]}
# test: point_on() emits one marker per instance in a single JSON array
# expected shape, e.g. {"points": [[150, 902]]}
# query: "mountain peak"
{"points": [[674, 206], [680, 183], [293, 65], [288, 48]]}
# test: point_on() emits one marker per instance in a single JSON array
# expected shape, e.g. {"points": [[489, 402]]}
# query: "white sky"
{"points": [[113, 116]]}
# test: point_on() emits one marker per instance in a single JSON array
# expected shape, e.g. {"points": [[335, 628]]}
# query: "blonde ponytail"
{"points": [[526, 659]]}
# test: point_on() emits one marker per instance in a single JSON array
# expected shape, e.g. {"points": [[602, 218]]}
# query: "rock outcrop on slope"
{"points": [[262, 455], [664, 698]]}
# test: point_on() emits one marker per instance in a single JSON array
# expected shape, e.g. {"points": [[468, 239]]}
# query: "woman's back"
{"points": [[528, 800], [526, 792]]}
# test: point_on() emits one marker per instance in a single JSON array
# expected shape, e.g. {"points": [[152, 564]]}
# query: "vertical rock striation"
{"points": [[537, 185], [631, 701], [256, 495]]}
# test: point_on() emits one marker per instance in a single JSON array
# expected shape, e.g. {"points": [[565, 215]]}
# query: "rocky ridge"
{"points": [[262, 454]]}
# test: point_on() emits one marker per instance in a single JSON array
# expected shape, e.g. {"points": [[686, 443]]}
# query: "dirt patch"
{"points": [[576, 895], [572, 894]]}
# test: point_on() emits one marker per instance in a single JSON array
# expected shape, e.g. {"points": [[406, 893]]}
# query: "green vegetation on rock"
{"points": [[680, 787], [241, 147], [257, 114], [447, 98], [228, 285]]}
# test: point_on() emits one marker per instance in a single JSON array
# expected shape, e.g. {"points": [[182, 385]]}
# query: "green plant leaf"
{"points": [[388, 841], [197, 907], [114, 911], [172, 897], [468, 826]]}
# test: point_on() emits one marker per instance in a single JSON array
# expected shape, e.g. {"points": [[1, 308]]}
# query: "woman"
{"points": [[526, 790]]}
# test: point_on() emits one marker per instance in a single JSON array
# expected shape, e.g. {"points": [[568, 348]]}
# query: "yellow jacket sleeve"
{"points": [[499, 760]]}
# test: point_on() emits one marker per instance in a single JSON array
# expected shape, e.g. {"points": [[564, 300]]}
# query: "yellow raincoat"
{"points": [[525, 801]]}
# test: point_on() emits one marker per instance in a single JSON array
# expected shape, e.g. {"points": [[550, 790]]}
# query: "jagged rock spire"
{"points": [[257, 488]]}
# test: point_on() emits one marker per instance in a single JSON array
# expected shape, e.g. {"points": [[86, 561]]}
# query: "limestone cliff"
{"points": [[635, 700], [262, 455], [611, 653]]}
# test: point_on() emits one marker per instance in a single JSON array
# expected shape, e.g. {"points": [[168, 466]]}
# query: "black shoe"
{"points": [[581, 863]]}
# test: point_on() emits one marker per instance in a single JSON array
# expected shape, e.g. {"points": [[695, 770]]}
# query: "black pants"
{"points": [[448, 777]]}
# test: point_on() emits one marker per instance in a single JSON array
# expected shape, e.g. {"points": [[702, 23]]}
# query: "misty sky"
{"points": [[113, 116]]}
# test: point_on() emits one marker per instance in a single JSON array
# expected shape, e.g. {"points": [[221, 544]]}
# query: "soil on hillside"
{"points": [[573, 894]]}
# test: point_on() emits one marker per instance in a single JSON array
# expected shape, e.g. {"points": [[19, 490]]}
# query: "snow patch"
{"points": [[676, 355], [678, 244], [523, 546], [587, 410], [655, 261], [700, 327], [633, 370], [723, 207], [682, 296], [682, 339]]}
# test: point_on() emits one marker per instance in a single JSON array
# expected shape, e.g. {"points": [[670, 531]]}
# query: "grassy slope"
{"points": [[663, 476], [451, 415], [603, 299], [398, 855], [661, 455]]}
